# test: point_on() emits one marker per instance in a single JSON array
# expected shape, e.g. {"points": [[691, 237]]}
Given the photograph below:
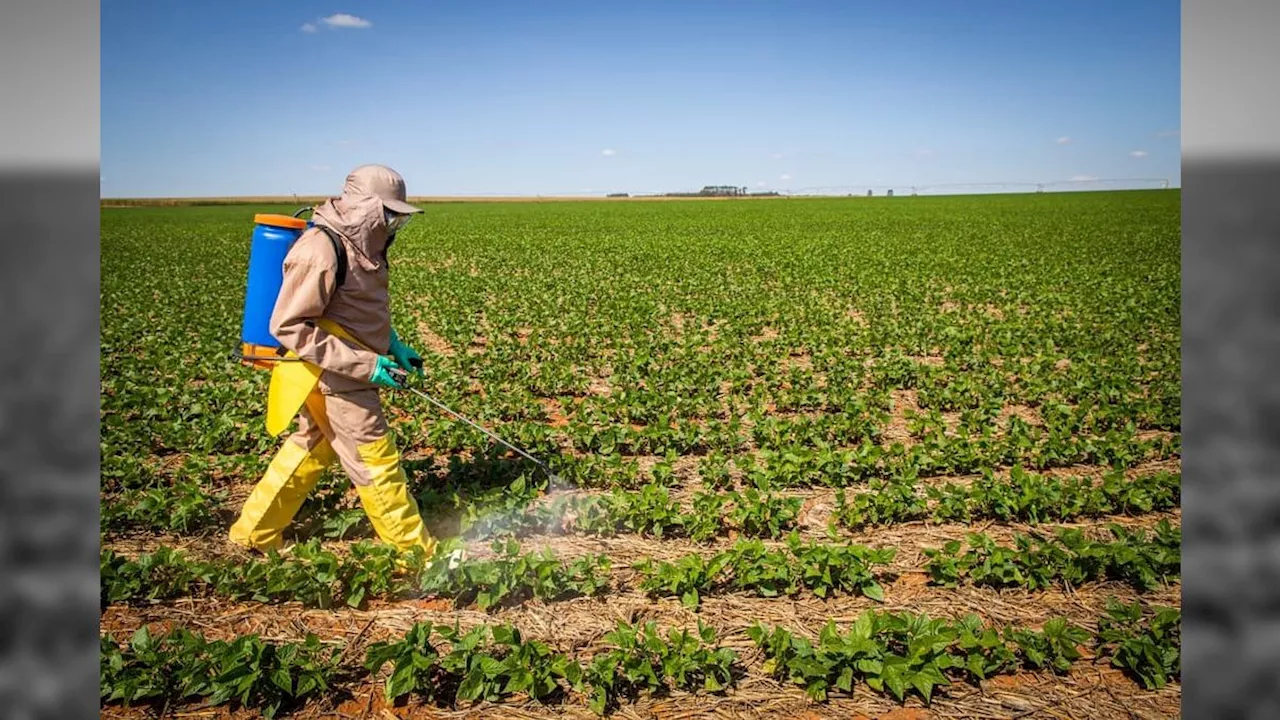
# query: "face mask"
{"points": [[396, 222]]}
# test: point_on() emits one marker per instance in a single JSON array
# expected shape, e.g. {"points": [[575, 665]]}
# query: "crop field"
{"points": [[823, 458]]}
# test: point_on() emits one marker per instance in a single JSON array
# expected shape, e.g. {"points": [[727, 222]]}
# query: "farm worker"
{"points": [[344, 335]]}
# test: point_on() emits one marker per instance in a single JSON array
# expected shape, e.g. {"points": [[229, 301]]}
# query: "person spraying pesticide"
{"points": [[334, 349]]}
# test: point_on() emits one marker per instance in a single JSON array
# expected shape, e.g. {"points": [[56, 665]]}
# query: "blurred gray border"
{"points": [[49, 420], [1230, 433], [49, 446]]}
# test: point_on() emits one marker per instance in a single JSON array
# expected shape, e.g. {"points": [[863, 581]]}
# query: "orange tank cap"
{"points": [[283, 221]]}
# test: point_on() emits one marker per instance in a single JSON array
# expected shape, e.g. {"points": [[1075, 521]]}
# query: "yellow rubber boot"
{"points": [[292, 474], [391, 509]]}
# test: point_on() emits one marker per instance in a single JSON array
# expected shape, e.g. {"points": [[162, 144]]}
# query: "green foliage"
{"points": [[1032, 498], [757, 512], [823, 569], [884, 503], [1147, 645], [511, 577], [706, 520], [183, 507], [651, 511], [775, 342], [1036, 562], [493, 663], [1056, 646], [903, 653], [899, 654], [681, 329], [642, 661], [415, 662], [318, 578], [247, 671]]}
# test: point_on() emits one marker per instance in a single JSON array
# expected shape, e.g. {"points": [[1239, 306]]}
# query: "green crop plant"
{"points": [[246, 671], [511, 577], [319, 578], [758, 512], [1146, 644], [641, 660], [493, 663], [184, 507], [1037, 562], [883, 503], [823, 569], [900, 653]]}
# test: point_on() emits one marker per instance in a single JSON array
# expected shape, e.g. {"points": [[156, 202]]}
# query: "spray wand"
{"points": [[401, 377]]}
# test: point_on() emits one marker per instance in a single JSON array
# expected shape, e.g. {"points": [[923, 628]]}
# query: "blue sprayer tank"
{"points": [[273, 235]]}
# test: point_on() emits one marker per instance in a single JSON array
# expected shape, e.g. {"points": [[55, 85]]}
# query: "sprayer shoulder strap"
{"points": [[339, 251]]}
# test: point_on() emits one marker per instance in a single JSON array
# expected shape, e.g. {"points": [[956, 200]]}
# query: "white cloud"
{"points": [[1063, 140], [785, 176], [924, 152], [608, 152], [1083, 178], [777, 156], [308, 27], [344, 142], [760, 184], [343, 20], [1138, 153]]}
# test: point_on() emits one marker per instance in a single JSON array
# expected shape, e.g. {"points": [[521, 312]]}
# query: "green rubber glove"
{"points": [[382, 373], [405, 356]]}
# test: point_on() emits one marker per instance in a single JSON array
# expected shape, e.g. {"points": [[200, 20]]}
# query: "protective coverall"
{"points": [[340, 333]]}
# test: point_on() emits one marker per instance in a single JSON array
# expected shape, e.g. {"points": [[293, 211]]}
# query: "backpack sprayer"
{"points": [[273, 236]]}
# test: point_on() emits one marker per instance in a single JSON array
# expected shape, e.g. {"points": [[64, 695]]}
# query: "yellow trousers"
{"points": [[348, 428]]}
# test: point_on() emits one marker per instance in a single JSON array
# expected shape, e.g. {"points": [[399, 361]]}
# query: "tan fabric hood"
{"points": [[360, 220], [361, 305]]}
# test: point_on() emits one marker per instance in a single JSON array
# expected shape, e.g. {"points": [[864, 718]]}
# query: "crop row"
{"points": [[813, 459], [651, 510], [486, 663], [894, 653], [859, 458], [762, 510], [822, 450], [1022, 497], [822, 569], [902, 652], [1070, 558], [319, 578], [757, 511]]}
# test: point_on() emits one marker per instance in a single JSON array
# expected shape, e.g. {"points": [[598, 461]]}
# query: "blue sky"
{"points": [[243, 98]]}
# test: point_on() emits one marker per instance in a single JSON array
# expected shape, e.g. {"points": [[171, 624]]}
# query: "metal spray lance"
{"points": [[401, 377]]}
